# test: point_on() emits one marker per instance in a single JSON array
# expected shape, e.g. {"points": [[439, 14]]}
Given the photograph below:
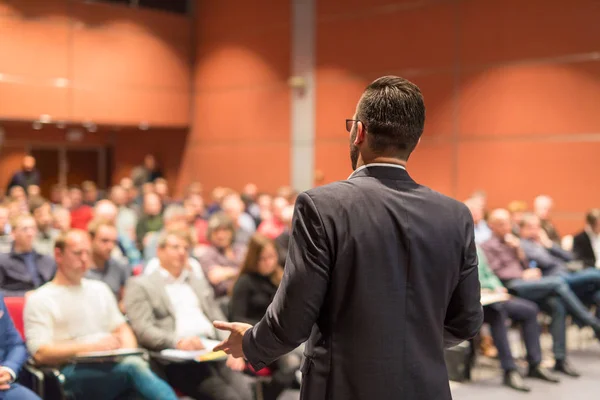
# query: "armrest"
{"points": [[47, 382]]}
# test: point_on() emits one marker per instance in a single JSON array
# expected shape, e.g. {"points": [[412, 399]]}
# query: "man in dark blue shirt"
{"points": [[552, 260], [23, 269]]}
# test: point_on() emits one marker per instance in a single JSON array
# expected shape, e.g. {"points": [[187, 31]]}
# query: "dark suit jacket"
{"points": [[582, 249], [381, 274], [15, 278], [13, 352]]}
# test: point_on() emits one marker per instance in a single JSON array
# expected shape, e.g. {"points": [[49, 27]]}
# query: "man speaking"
{"points": [[381, 272]]}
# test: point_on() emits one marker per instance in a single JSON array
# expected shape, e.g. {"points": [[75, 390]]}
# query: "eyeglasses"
{"points": [[350, 123]]}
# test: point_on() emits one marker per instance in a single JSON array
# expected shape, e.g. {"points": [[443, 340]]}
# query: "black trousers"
{"points": [[525, 313], [208, 381]]}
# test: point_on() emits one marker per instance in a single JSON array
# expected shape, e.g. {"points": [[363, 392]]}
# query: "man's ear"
{"points": [[360, 133]]}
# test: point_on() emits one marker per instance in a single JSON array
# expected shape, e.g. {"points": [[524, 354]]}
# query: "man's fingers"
{"points": [[224, 326], [221, 346]]}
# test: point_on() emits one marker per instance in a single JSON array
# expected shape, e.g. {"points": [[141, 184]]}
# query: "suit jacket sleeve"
{"points": [[582, 249], [464, 314], [16, 352], [297, 303], [141, 317]]}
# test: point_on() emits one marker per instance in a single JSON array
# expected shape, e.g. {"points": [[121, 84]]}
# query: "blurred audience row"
{"points": [[521, 253], [136, 268]]}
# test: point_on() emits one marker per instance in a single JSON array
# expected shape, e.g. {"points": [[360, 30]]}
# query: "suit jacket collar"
{"points": [[382, 171], [159, 284]]}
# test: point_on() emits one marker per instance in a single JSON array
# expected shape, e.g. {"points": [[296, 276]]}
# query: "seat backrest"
{"points": [[15, 306]]}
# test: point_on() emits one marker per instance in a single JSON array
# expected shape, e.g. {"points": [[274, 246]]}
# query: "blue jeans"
{"points": [[586, 285], [108, 381], [548, 292], [18, 392]]}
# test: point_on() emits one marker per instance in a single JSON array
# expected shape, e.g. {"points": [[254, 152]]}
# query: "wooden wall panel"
{"points": [[510, 30]]}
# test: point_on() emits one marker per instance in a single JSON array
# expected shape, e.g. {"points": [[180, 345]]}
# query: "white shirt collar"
{"points": [[377, 165], [171, 279]]}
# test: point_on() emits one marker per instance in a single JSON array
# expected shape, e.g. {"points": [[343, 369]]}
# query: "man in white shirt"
{"points": [[70, 316], [172, 308]]}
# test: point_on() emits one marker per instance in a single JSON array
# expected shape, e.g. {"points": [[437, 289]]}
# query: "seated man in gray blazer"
{"points": [[173, 308]]}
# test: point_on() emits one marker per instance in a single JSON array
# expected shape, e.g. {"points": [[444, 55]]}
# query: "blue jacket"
{"points": [[13, 353]]}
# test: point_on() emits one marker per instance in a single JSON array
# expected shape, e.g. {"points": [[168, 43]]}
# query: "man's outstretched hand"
{"points": [[233, 344]]}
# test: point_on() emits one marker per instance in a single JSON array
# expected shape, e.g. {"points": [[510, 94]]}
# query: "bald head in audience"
{"points": [[499, 222], [105, 210]]}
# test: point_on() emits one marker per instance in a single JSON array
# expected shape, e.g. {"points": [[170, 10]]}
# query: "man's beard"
{"points": [[353, 149]]}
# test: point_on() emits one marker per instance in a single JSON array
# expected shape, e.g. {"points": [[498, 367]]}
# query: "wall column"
{"points": [[302, 152]]}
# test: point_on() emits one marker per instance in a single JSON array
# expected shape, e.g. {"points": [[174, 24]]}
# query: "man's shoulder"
{"points": [[142, 281], [582, 235], [346, 190]]}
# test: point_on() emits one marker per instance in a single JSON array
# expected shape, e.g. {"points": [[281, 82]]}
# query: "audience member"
{"points": [[28, 175], [150, 221], [5, 228], [23, 269], [516, 209], [233, 206], [14, 356], [175, 217], [274, 226], [72, 316], [552, 261], [126, 251], [127, 219], [482, 231], [81, 214], [221, 260], [552, 294], [147, 172], [586, 244], [90, 192], [283, 241], [524, 312], [33, 191], [104, 268], [61, 219], [173, 309], [46, 233], [161, 188], [542, 207], [194, 206], [252, 294]]}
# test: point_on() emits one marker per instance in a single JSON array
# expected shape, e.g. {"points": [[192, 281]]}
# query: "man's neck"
{"points": [[61, 280], [22, 250], [99, 262]]}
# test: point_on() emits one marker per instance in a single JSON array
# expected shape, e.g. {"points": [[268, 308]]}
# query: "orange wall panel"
{"points": [[510, 170], [337, 8], [387, 42], [233, 165], [231, 17], [531, 100], [431, 165], [332, 159], [249, 59], [27, 101], [32, 48], [127, 106], [504, 30], [85, 61], [249, 114]]}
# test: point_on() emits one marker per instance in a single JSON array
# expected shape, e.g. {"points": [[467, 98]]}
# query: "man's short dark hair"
{"points": [[393, 112]]}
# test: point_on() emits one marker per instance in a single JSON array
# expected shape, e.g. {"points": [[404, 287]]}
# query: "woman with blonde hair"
{"points": [[252, 294]]}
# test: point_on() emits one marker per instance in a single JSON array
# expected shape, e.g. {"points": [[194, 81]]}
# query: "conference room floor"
{"points": [[584, 354]]}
